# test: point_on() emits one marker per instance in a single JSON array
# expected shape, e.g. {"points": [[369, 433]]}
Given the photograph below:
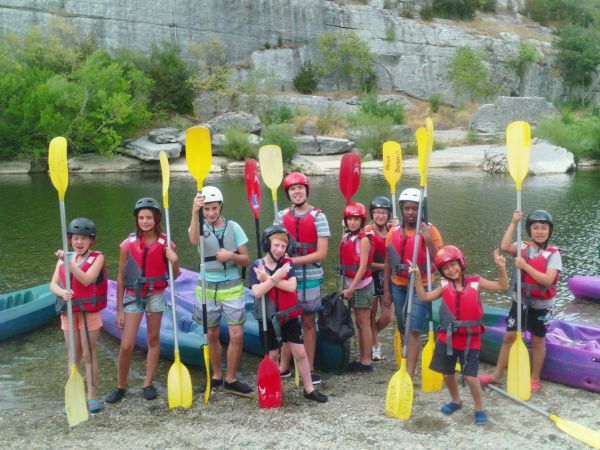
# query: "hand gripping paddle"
{"points": [[75, 400]]}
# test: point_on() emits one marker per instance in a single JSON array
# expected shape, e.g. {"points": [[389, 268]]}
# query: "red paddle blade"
{"points": [[349, 175], [252, 186], [268, 382]]}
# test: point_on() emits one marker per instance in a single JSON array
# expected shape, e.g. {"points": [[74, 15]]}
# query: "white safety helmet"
{"points": [[409, 195], [212, 194]]}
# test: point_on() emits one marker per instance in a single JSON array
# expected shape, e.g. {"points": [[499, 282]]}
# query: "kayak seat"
{"points": [[580, 337], [14, 300]]}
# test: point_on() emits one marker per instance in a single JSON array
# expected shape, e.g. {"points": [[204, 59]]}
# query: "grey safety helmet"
{"points": [[381, 202], [539, 216], [147, 203], [82, 226], [409, 195]]}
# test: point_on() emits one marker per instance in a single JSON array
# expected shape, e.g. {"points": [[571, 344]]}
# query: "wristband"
{"points": [[273, 280]]}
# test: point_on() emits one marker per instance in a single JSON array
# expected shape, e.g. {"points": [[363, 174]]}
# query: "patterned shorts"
{"points": [[224, 298]]}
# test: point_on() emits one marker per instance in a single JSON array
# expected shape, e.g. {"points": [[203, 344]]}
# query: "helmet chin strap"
{"points": [[276, 260]]}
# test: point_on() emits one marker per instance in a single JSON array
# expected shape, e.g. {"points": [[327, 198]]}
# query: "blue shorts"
{"points": [[150, 304], [418, 313], [446, 364]]}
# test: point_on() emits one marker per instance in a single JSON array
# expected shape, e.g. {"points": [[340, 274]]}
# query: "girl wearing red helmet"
{"points": [[460, 322], [356, 257]]}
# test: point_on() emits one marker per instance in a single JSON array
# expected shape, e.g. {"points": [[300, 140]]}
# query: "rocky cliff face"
{"points": [[414, 62]]}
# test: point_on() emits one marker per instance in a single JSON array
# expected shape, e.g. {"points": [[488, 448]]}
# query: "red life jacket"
{"points": [[460, 316], [378, 243], [529, 286], [400, 252], [302, 229], [146, 267], [350, 254], [286, 303], [90, 298]]}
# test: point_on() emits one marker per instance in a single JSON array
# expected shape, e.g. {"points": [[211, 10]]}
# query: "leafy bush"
{"points": [[373, 132], [527, 55], [580, 135], [307, 79], [427, 13], [371, 106], [578, 54], [435, 101], [580, 12], [281, 135], [328, 120], [469, 74], [237, 146], [346, 57], [455, 9], [272, 114], [390, 33], [214, 71], [407, 11]]}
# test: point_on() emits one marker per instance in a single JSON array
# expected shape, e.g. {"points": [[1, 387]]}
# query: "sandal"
{"points": [[536, 385], [450, 408], [150, 392], [94, 406], [480, 418], [486, 379]]}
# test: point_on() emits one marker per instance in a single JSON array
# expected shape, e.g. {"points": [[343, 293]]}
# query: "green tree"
{"points": [[307, 78], [469, 74], [578, 54], [347, 58]]}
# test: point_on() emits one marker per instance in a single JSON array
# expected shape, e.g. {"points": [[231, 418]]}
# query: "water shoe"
{"points": [[486, 378], [94, 406], [237, 386], [536, 385], [150, 392], [315, 396], [481, 417], [451, 408], [315, 378], [115, 396]]}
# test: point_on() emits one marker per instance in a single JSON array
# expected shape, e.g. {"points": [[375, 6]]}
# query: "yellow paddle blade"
{"points": [[75, 400], [57, 162], [198, 153], [399, 398], [429, 128], [179, 385], [398, 347], [518, 377], [164, 167], [457, 367], [431, 381], [392, 163], [583, 433], [518, 148], [424, 154], [207, 365], [271, 167]]}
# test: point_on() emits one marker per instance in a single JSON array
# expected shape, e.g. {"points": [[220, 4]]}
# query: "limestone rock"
{"points": [[236, 167], [95, 163], [14, 167], [146, 150], [164, 135], [493, 118], [322, 145], [249, 122], [306, 166], [546, 158]]}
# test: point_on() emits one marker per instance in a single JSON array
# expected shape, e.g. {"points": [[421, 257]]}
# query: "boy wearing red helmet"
{"points": [[460, 322], [310, 229], [356, 257]]}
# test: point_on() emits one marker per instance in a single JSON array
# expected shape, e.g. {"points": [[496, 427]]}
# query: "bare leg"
{"points": [[130, 329], [234, 351], [509, 339], [374, 331], [414, 348], [385, 317], [363, 324], [77, 354], [310, 338], [153, 323], [538, 350], [301, 359], [284, 362], [214, 348], [452, 386], [475, 388], [91, 362]]}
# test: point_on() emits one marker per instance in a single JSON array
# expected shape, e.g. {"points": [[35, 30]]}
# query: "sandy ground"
{"points": [[354, 417]]}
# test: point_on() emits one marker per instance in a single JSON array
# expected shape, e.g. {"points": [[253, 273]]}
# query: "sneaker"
{"points": [[486, 378], [451, 408], [150, 392], [315, 396], [214, 383], [376, 353], [315, 377], [94, 406], [285, 374], [237, 386], [115, 396], [480, 417], [357, 366], [536, 385]]}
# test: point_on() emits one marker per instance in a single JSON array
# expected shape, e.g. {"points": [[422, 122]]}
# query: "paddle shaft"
{"points": [[203, 272], [262, 300], [66, 261], [172, 280], [519, 401], [518, 274], [393, 195], [426, 218]]}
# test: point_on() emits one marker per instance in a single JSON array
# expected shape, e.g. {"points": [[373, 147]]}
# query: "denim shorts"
{"points": [[151, 304], [418, 313]]}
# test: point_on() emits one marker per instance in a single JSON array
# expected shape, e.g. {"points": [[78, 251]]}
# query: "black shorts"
{"points": [[534, 320], [443, 363], [378, 283], [291, 331]]}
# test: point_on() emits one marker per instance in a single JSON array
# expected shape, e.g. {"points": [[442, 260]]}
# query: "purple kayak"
{"points": [[572, 349], [585, 287]]}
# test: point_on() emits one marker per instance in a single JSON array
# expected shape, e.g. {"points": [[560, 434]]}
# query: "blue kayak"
{"points": [[26, 310]]}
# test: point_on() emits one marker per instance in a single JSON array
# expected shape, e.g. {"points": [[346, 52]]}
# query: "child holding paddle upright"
{"points": [[310, 229], [356, 257], [89, 285], [275, 277], [460, 326], [141, 284], [540, 264]]}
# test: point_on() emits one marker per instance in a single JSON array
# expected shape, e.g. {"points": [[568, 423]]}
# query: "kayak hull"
{"points": [[572, 349], [25, 310], [585, 287]]}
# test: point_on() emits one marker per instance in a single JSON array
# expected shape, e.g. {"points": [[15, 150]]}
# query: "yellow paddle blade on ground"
{"points": [[207, 365], [518, 148], [271, 167], [75, 400], [431, 381], [198, 153], [518, 376], [57, 163], [398, 347], [424, 153], [179, 385], [392, 163], [399, 398], [578, 431]]}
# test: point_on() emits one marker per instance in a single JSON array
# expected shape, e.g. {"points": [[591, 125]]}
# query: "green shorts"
{"points": [[362, 298]]}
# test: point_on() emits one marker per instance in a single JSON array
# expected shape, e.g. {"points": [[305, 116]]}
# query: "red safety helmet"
{"points": [[355, 209], [449, 253], [294, 178]]}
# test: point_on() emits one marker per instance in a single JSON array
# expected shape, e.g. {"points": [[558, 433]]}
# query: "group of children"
{"points": [[375, 265]]}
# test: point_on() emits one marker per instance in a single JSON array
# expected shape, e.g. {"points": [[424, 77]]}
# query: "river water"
{"points": [[472, 210]]}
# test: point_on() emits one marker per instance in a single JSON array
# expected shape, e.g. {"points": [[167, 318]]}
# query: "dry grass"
{"points": [[445, 119]]}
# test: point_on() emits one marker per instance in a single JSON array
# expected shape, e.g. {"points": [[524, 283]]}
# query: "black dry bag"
{"points": [[335, 319]]}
